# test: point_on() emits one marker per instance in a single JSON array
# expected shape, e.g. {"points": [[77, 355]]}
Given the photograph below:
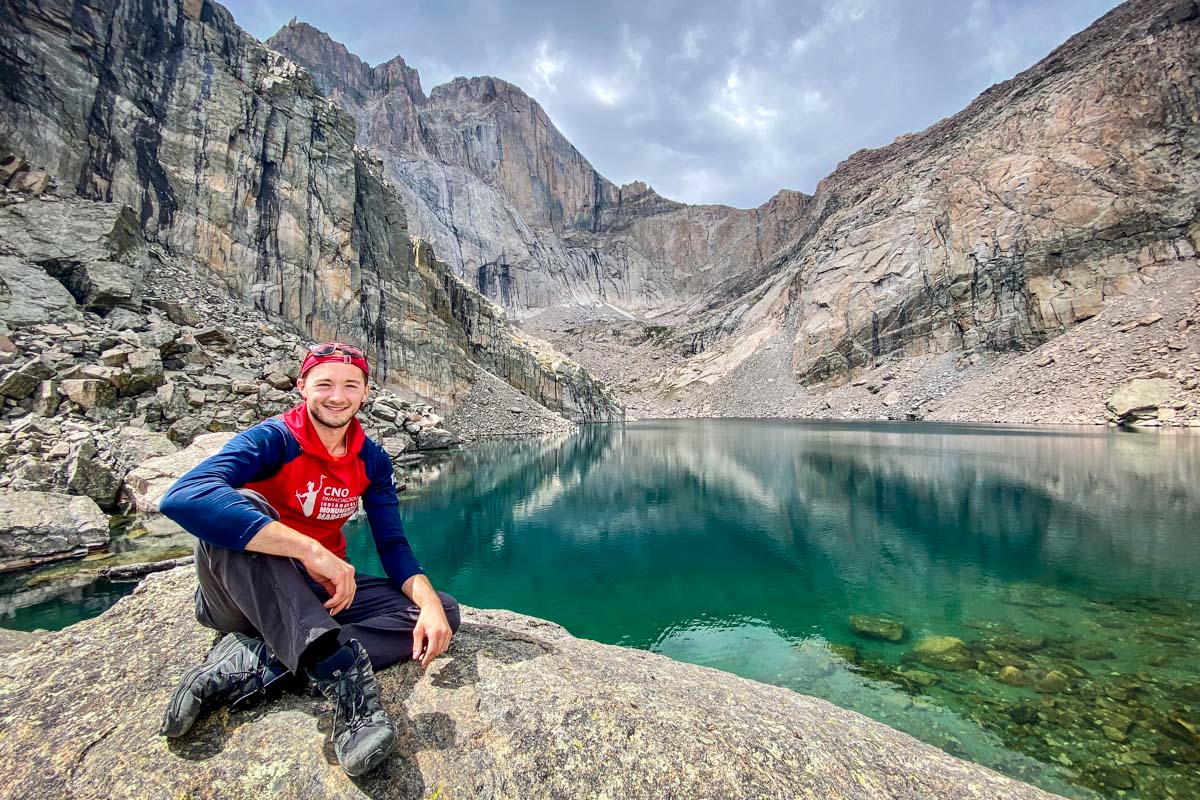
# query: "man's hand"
{"points": [[336, 575], [432, 634], [333, 573]]}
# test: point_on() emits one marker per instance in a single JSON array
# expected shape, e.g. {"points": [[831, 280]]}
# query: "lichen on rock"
{"points": [[516, 708]]}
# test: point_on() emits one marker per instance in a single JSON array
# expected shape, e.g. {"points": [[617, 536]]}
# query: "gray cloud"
{"points": [[711, 102]]}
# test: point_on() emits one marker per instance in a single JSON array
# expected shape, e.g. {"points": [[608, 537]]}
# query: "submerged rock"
{"points": [[888, 630], [943, 652], [517, 708]]}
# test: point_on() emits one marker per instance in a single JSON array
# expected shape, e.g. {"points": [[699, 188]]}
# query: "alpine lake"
{"points": [[1028, 599]]}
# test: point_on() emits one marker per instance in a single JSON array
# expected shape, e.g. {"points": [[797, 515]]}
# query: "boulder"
{"points": [[146, 485], [100, 286], [133, 446], [436, 439], [47, 399], [28, 296], [184, 431], [145, 371], [884, 628], [17, 384], [41, 526], [122, 319], [1052, 682], [943, 652], [90, 477], [397, 445], [1139, 399], [516, 708], [89, 392]]}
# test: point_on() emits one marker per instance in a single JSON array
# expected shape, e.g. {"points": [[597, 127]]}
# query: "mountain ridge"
{"points": [[996, 229]]}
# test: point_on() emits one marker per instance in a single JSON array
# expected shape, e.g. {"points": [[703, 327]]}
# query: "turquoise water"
{"points": [[1070, 556]]}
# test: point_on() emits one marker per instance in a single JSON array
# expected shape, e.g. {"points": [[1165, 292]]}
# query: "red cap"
{"points": [[311, 360]]}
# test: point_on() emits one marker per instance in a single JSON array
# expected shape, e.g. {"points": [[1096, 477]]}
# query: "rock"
{"points": [[132, 447], [40, 526], [920, 677], [943, 652], [436, 439], [891, 398], [1053, 682], [177, 311], [17, 384], [184, 431], [28, 296], [516, 708], [145, 368], [213, 336], [1139, 399], [279, 380], [101, 286], [1116, 777], [846, 652], [173, 400], [14, 641], [396, 445], [127, 571], [122, 319], [884, 628], [89, 477], [89, 393], [1005, 658], [1149, 319], [146, 485], [1012, 676]]}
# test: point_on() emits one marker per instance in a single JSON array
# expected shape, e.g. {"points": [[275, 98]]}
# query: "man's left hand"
{"points": [[431, 636]]}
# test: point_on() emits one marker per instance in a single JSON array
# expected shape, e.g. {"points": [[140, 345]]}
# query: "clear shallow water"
{"points": [[1069, 556]]}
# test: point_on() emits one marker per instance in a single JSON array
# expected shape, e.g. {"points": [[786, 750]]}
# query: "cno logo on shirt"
{"points": [[336, 501]]}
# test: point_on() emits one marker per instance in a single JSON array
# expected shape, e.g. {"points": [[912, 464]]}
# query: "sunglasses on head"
{"points": [[329, 348]]}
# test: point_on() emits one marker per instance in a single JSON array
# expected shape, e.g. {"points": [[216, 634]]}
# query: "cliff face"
{"points": [[1020, 216], [998, 228], [515, 209], [227, 152]]}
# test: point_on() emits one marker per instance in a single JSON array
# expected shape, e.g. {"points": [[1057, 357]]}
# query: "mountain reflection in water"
{"points": [[747, 545]]}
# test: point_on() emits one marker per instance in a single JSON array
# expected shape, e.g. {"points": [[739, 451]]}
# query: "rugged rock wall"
{"points": [[998, 228], [1018, 217], [529, 364], [515, 209], [516, 708], [226, 152]]}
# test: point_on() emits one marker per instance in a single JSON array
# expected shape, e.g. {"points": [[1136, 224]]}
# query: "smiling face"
{"points": [[333, 393]]}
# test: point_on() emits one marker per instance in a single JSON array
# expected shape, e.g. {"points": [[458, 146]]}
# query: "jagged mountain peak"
{"points": [[336, 68]]}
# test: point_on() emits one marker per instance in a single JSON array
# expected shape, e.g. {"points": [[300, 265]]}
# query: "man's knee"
{"points": [[453, 612]]}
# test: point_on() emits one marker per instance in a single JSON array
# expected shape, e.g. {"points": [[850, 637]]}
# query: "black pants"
{"points": [[273, 597]]}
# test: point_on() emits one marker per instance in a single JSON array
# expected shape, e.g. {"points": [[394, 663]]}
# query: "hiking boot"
{"points": [[238, 669], [363, 733]]}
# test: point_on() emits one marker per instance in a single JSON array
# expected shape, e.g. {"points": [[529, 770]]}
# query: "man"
{"points": [[268, 512]]}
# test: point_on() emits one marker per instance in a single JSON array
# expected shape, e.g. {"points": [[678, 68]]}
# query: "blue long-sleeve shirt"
{"points": [[283, 459]]}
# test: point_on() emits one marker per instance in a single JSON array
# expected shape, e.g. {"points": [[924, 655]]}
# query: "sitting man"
{"points": [[268, 512]]}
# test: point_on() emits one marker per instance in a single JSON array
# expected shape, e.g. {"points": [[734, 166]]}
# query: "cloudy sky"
{"points": [[710, 102]]}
